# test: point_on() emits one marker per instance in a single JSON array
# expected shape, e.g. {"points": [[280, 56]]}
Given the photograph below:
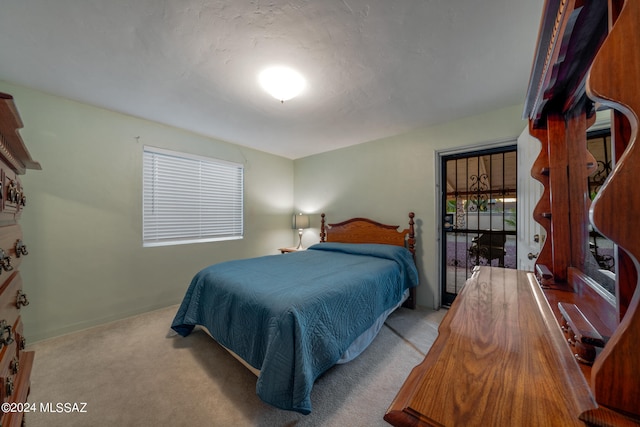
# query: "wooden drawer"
{"points": [[11, 300], [21, 341], [15, 363], [11, 366], [21, 386], [13, 250], [13, 196]]}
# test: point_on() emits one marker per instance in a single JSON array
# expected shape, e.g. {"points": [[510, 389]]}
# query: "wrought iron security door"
{"points": [[479, 214]]}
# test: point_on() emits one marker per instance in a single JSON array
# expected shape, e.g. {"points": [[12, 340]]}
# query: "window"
{"points": [[188, 199]]}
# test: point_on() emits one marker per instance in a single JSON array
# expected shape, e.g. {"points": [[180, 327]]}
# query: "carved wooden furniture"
{"points": [[15, 362], [497, 361], [556, 349], [364, 230], [592, 59]]}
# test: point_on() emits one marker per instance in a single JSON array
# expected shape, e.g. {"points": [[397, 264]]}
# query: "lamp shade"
{"points": [[300, 221]]}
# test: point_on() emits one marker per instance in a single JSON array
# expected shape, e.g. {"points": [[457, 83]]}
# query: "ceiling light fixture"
{"points": [[282, 83]]}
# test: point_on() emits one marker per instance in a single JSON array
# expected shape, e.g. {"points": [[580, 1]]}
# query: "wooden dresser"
{"points": [[555, 347], [15, 362], [500, 359]]}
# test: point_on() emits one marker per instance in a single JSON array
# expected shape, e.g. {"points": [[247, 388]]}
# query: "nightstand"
{"points": [[287, 250]]}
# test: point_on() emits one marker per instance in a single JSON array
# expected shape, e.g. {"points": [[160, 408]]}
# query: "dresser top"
{"points": [[500, 359]]}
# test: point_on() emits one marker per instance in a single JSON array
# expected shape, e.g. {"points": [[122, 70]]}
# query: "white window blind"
{"points": [[189, 199]]}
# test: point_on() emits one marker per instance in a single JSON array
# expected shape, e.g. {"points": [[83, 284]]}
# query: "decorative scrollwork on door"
{"points": [[478, 184], [599, 177]]}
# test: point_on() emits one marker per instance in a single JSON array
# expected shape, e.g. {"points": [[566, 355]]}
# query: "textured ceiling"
{"points": [[374, 68]]}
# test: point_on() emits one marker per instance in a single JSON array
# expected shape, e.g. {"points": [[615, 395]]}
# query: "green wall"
{"points": [[386, 179], [82, 224]]}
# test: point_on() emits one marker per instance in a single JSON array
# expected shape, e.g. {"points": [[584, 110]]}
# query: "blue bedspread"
{"points": [[292, 316]]}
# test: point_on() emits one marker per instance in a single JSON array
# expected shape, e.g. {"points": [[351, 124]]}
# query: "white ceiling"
{"points": [[375, 68]]}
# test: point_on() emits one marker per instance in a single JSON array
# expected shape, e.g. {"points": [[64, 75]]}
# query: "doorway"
{"points": [[479, 214]]}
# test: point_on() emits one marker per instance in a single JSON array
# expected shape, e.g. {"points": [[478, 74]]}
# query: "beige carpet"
{"points": [[132, 373]]}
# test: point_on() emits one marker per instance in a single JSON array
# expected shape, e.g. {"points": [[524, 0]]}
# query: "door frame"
{"points": [[439, 154]]}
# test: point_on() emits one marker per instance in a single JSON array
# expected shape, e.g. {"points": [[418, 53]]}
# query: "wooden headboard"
{"points": [[364, 230]]}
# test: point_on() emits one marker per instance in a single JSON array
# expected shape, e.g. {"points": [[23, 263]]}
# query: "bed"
{"points": [[291, 317]]}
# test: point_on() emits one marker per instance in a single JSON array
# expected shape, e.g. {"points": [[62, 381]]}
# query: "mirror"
{"points": [[600, 263]]}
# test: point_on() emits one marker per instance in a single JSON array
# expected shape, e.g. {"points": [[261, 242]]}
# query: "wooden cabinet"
{"points": [[15, 362], [500, 359]]}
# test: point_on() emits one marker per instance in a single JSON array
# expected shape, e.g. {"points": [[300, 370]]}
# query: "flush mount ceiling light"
{"points": [[282, 83]]}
